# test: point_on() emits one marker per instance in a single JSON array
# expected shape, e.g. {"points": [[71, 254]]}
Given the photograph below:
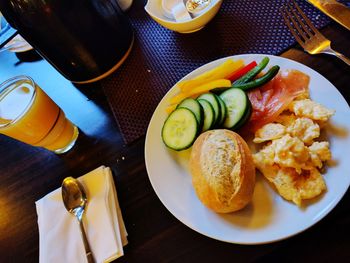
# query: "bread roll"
{"points": [[223, 171]]}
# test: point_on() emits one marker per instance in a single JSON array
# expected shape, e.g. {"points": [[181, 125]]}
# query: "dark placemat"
{"points": [[161, 57]]}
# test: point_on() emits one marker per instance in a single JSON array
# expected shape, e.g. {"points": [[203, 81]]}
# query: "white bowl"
{"points": [[154, 9]]}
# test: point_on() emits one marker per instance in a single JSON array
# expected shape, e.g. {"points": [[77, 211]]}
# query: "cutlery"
{"points": [[308, 37], [335, 10], [75, 201]]}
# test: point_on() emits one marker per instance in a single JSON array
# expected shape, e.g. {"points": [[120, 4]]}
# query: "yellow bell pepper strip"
{"points": [[224, 83], [220, 72], [171, 108], [178, 98]]}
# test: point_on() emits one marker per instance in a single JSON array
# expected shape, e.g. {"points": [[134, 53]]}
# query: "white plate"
{"points": [[269, 217]]}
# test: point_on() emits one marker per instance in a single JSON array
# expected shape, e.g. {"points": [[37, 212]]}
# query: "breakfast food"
{"points": [[223, 171], [291, 158], [276, 106], [229, 110], [217, 98], [270, 100]]}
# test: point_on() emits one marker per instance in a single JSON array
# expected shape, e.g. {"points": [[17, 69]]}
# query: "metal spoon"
{"points": [[75, 201]]}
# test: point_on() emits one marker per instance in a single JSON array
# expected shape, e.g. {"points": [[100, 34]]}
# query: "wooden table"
{"points": [[28, 173]]}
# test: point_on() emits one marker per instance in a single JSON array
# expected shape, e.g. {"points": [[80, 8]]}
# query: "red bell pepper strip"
{"points": [[239, 73]]}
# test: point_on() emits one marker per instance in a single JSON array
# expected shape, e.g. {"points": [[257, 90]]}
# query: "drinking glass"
{"points": [[29, 115]]}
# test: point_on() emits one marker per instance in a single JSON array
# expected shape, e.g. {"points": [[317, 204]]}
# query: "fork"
{"points": [[305, 33]]}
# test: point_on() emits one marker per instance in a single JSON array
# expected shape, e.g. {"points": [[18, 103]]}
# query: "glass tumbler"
{"points": [[29, 115]]}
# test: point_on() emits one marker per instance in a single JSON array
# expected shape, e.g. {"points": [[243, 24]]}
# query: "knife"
{"points": [[335, 10]]}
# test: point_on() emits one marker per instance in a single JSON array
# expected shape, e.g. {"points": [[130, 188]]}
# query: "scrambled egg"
{"points": [[290, 158], [270, 131], [310, 109], [304, 129], [319, 153]]}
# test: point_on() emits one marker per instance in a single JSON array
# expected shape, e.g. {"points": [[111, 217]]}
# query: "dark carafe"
{"points": [[85, 40]]}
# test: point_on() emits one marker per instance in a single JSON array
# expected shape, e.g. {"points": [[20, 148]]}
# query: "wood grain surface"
{"points": [[28, 173]]}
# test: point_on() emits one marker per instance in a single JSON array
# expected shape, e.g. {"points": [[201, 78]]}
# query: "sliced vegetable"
{"points": [[171, 108], [194, 106], [209, 119], [180, 129], [219, 72], [222, 109], [236, 101], [214, 103], [232, 108], [178, 98], [246, 116], [260, 81], [252, 73], [200, 89], [211, 85], [242, 71]]}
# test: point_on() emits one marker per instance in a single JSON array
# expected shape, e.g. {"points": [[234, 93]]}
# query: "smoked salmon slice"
{"points": [[271, 99]]}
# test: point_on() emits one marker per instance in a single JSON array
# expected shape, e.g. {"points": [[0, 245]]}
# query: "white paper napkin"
{"points": [[59, 234]]}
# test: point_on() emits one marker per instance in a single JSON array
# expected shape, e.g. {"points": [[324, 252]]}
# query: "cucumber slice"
{"points": [[209, 117], [245, 117], [236, 101], [223, 110], [193, 106], [210, 97], [180, 129]]}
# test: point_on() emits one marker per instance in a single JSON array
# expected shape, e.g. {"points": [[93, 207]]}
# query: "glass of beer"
{"points": [[29, 115]]}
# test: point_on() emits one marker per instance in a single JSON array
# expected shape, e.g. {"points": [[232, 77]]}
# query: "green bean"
{"points": [[259, 81], [253, 72]]}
